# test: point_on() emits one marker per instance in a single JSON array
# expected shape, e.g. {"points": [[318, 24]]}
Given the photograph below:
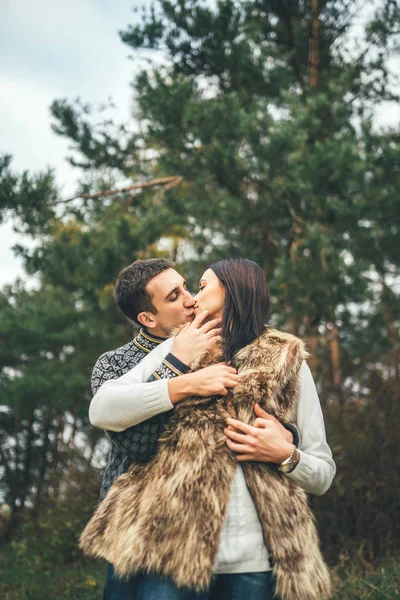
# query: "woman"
{"points": [[168, 516]]}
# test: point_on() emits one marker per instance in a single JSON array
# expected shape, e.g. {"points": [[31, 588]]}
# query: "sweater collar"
{"points": [[147, 342]]}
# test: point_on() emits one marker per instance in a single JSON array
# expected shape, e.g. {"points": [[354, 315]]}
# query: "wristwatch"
{"points": [[289, 464]]}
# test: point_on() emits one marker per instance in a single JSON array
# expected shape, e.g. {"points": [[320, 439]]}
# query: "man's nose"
{"points": [[189, 301]]}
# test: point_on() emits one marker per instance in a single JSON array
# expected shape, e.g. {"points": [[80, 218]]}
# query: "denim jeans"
{"points": [[235, 586]]}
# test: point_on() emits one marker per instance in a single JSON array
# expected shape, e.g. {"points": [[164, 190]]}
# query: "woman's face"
{"points": [[211, 295]]}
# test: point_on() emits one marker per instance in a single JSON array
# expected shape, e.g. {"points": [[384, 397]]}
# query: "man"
{"points": [[152, 294]]}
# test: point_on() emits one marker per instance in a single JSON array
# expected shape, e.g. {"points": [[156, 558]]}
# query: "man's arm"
{"points": [[119, 403], [153, 387], [113, 406]]}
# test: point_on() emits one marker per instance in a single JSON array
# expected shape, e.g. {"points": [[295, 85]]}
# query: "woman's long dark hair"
{"points": [[247, 302]]}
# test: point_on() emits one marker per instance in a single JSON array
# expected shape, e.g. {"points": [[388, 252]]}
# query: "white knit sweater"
{"points": [[128, 400], [242, 548]]}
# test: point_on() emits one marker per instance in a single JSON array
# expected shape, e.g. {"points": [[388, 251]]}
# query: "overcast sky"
{"points": [[54, 49]]}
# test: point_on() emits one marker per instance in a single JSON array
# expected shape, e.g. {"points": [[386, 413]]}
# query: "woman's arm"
{"points": [[316, 469], [264, 442]]}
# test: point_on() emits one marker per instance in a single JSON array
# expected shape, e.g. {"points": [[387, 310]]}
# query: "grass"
{"points": [[378, 584], [25, 576], [73, 582]]}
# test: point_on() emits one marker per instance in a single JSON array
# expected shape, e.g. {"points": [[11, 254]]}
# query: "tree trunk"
{"points": [[392, 331], [26, 478], [313, 347], [335, 361], [326, 375], [57, 458], [43, 461], [71, 441], [15, 480], [269, 250], [313, 63]]}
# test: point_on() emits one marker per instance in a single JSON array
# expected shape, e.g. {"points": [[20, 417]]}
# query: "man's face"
{"points": [[172, 301]]}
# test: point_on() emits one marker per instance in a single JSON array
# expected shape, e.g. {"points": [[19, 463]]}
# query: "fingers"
{"points": [[261, 423], [264, 423], [241, 448], [245, 457], [197, 321], [183, 329], [240, 426], [262, 413], [213, 333], [230, 383], [232, 370], [224, 369], [210, 324], [235, 436]]}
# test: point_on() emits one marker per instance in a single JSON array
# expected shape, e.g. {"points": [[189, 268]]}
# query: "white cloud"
{"points": [[55, 49], [26, 133]]}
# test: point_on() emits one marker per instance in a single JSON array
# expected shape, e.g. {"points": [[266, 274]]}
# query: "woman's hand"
{"points": [[262, 414], [262, 441]]}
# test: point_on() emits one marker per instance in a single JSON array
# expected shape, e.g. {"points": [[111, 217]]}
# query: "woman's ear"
{"points": [[146, 319]]}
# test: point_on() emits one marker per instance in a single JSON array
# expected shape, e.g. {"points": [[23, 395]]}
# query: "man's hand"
{"points": [[195, 338], [262, 441], [262, 414], [210, 381], [215, 380]]}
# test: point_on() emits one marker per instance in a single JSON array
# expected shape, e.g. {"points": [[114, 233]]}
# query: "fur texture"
{"points": [[166, 516]]}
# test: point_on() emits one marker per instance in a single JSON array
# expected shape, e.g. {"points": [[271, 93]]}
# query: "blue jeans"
{"points": [[235, 586]]}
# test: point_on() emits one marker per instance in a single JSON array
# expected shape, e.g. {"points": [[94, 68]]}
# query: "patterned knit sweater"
{"points": [[138, 443]]}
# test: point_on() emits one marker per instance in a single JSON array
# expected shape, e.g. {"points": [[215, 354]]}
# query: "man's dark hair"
{"points": [[130, 291], [247, 302]]}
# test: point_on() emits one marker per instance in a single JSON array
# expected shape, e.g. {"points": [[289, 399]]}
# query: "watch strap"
{"points": [[290, 463]]}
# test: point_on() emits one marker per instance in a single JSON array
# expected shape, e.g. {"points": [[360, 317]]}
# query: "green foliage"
{"points": [[30, 198], [357, 516], [272, 129], [50, 341], [43, 560], [102, 143]]}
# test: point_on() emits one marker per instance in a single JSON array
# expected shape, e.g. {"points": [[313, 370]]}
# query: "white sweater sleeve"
{"points": [[316, 469], [130, 399]]}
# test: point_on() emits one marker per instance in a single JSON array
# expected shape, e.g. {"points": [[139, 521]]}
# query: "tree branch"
{"points": [[168, 182]]}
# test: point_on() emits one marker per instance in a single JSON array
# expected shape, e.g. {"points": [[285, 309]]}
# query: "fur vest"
{"points": [[166, 516]]}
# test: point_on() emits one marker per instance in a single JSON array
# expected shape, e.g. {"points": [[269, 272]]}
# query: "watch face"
{"points": [[285, 468]]}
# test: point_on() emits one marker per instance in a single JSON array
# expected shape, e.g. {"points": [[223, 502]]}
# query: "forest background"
{"points": [[253, 133]]}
